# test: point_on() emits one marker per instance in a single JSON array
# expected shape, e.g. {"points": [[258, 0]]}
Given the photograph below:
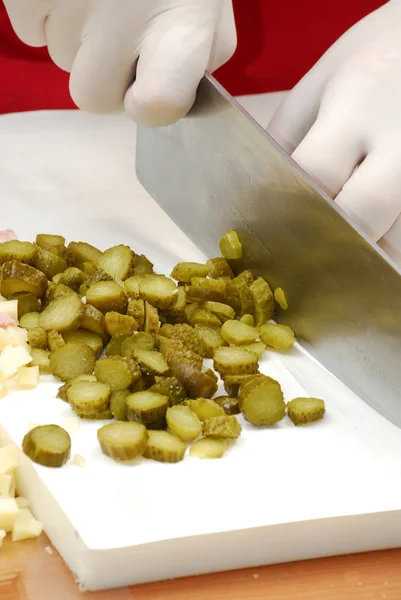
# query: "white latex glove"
{"points": [[170, 43], [346, 110]]}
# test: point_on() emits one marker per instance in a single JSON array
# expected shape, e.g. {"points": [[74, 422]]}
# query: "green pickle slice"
{"points": [[47, 445]]}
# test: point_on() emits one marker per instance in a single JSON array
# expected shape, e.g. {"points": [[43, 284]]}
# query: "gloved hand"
{"points": [[347, 112], [169, 43]]}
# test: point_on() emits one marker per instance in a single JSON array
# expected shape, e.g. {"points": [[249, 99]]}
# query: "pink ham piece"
{"points": [[7, 235], [7, 321]]}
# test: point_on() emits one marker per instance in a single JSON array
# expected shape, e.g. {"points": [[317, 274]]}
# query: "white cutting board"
{"points": [[280, 494]]}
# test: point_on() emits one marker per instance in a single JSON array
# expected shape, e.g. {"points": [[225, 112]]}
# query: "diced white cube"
{"points": [[28, 377], [79, 460], [2, 536], [12, 359], [7, 486], [18, 335], [22, 502], [26, 526], [10, 307], [9, 459], [8, 513]]}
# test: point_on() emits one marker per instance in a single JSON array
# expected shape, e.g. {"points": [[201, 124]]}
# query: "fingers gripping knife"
{"points": [[217, 170]]}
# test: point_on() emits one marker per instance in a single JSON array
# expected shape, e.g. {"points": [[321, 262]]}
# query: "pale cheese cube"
{"points": [[26, 526], [8, 513], [22, 502], [12, 359], [10, 307], [79, 460], [18, 335], [28, 377], [9, 459], [7, 486], [2, 536]]}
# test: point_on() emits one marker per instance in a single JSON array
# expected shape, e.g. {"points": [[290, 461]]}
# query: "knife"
{"points": [[217, 170]]}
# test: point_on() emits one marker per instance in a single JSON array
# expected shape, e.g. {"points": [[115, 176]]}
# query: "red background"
{"points": [[278, 42]]}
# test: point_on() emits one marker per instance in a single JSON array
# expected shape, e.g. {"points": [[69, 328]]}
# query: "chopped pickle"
{"points": [[248, 320], [303, 411], [225, 426], [176, 350], [164, 447], [144, 383], [223, 311], [151, 362], [71, 360], [188, 336], [37, 338], [158, 290], [54, 340], [118, 405], [27, 303], [131, 286], [94, 321], [208, 447], [280, 298], [219, 267], [184, 271], [279, 337], [89, 267], [73, 278], [167, 330], [136, 309], [201, 316], [23, 252], [63, 290], [47, 445], [50, 239], [62, 392], [123, 441], [262, 402], [263, 301], [138, 341], [205, 408], [107, 296], [118, 372], [114, 347], [211, 339], [232, 383], [189, 309], [234, 361], [29, 320], [93, 340], [142, 265], [230, 246], [41, 359], [176, 312], [146, 407], [116, 322], [50, 264], [203, 294], [183, 422], [87, 397], [82, 253], [229, 405], [238, 333], [152, 321], [217, 285], [196, 383], [257, 348], [172, 388], [239, 296], [117, 262], [18, 277], [56, 278], [246, 276], [65, 313]]}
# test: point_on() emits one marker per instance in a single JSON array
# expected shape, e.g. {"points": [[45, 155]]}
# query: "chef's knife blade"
{"points": [[216, 170]]}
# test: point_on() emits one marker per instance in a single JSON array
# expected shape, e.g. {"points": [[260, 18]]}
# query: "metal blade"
{"points": [[217, 170]]}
